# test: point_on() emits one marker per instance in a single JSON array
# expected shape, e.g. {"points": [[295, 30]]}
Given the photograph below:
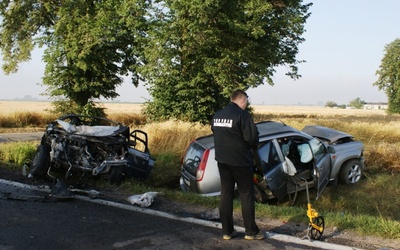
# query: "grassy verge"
{"points": [[369, 208]]}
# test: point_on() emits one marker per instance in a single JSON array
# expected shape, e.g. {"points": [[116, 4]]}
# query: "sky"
{"points": [[343, 48]]}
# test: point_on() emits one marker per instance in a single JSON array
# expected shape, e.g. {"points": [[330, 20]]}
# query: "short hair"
{"points": [[237, 93]]}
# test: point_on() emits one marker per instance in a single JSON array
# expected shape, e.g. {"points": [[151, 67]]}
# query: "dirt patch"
{"points": [[331, 235]]}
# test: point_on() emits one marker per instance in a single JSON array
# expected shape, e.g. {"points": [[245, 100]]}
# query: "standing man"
{"points": [[235, 135]]}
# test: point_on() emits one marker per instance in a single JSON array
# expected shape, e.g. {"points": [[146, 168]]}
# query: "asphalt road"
{"points": [[31, 219], [10, 137]]}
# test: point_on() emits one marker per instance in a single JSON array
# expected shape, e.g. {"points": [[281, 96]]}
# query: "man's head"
{"points": [[240, 98]]}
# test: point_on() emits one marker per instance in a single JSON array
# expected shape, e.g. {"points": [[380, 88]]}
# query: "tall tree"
{"points": [[89, 44], [202, 50], [389, 75]]}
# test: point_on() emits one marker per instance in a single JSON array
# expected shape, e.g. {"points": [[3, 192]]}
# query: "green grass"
{"points": [[166, 172], [17, 153]]}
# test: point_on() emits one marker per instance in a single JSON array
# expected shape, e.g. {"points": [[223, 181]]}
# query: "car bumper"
{"points": [[184, 184]]}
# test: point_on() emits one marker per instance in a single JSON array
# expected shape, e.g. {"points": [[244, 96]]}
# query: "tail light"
{"points": [[202, 166]]}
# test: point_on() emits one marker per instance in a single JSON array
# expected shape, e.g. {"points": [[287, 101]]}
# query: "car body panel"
{"points": [[343, 153], [192, 159], [326, 133], [343, 146]]}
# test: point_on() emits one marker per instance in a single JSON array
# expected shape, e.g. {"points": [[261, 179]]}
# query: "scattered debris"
{"points": [[210, 215], [25, 168], [91, 193], [60, 190], [143, 200]]}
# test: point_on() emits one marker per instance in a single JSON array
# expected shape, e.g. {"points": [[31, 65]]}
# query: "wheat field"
{"points": [[8, 107]]}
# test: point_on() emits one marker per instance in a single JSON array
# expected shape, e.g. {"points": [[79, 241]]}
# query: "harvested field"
{"points": [[7, 107]]}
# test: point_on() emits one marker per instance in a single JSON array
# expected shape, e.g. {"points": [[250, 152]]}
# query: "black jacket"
{"points": [[235, 134]]}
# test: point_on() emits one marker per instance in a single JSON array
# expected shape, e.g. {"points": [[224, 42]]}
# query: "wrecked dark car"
{"points": [[87, 146]]}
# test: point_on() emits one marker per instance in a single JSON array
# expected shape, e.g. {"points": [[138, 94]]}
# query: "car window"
{"points": [[193, 157], [317, 148], [289, 147], [268, 155]]}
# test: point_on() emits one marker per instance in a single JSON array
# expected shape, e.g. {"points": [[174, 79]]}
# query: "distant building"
{"points": [[376, 106]]}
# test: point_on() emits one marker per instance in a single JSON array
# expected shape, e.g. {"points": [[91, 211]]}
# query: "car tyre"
{"points": [[41, 161], [351, 172]]}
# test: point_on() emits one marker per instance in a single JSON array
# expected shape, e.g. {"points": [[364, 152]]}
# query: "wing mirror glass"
{"points": [[331, 150]]}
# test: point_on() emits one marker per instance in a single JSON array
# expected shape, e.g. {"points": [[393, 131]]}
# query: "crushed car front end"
{"points": [[87, 145], [347, 154]]}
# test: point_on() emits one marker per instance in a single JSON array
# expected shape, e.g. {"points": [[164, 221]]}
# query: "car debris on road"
{"points": [[143, 200]]}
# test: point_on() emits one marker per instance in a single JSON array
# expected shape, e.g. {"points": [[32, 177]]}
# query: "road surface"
{"points": [[10, 137], [31, 219]]}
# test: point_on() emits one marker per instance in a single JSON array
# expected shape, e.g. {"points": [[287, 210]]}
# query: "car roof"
{"points": [[266, 128], [206, 141]]}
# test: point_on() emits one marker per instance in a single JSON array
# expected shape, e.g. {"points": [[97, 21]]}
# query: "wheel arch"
{"points": [[340, 176], [340, 162]]}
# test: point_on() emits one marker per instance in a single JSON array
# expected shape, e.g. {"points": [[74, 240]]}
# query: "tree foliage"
{"points": [[389, 75], [190, 53], [203, 50], [330, 104], [357, 103], [89, 45]]}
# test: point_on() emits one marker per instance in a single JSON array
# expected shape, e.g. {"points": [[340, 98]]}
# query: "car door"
{"points": [[272, 169], [322, 169], [140, 162]]}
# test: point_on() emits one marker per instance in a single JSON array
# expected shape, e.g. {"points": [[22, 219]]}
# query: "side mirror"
{"points": [[331, 150]]}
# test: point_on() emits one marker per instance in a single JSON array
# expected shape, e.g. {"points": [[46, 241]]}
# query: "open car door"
{"points": [[140, 161], [322, 161], [272, 169]]}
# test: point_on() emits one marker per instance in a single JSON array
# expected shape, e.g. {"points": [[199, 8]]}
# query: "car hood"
{"points": [[325, 133], [98, 131]]}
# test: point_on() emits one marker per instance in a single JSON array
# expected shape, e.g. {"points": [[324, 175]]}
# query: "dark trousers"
{"points": [[243, 177]]}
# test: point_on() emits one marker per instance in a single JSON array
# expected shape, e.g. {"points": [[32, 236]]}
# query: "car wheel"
{"points": [[41, 161], [259, 195], [116, 175], [351, 172]]}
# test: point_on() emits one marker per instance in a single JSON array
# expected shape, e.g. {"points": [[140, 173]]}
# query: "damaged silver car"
{"points": [[286, 159], [92, 147]]}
